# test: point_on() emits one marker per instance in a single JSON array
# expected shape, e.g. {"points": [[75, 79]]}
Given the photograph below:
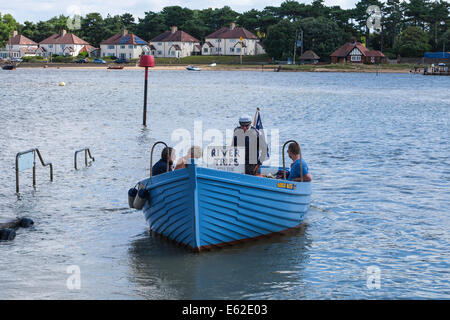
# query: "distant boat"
{"points": [[193, 68], [115, 67], [9, 67], [213, 65]]}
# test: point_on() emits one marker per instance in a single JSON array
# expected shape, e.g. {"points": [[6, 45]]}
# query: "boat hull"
{"points": [[205, 208]]}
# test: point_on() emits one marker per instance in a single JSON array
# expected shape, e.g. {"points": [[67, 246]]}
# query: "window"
{"points": [[172, 53], [110, 47], [159, 52], [231, 49], [50, 46], [220, 49], [205, 50], [355, 58], [170, 43], [131, 46], [238, 50], [232, 40], [122, 47], [63, 46], [159, 43]]}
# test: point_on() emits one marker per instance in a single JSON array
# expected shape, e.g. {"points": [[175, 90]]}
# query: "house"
{"points": [[123, 45], [309, 57], [63, 44], [19, 46], [91, 51], [355, 52], [232, 41], [174, 43]]}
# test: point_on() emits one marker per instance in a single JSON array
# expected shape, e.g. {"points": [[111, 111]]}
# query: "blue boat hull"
{"points": [[201, 207]]}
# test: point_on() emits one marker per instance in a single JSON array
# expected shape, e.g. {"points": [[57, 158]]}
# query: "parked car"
{"points": [[121, 60], [81, 61], [99, 61], [16, 60]]}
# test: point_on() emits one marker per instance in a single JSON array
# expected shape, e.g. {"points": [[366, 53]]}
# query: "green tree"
{"points": [[412, 42], [280, 40], [7, 26], [93, 29]]}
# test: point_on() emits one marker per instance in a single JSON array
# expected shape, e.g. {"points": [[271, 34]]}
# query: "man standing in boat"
{"points": [[254, 142]]}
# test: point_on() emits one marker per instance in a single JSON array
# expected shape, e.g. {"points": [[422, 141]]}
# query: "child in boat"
{"points": [[167, 155], [195, 152], [294, 154]]}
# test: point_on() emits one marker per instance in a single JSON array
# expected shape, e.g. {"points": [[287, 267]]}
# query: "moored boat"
{"points": [[193, 68], [115, 67], [203, 208], [9, 67]]}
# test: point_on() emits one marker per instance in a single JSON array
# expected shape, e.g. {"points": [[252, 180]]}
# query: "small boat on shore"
{"points": [[115, 67], [9, 67], [202, 208], [193, 68]]}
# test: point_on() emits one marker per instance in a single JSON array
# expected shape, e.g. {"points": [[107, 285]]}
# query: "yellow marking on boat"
{"points": [[284, 185]]}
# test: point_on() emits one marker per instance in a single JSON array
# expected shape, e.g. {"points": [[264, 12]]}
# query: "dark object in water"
{"points": [[9, 67], [26, 222], [7, 234]]}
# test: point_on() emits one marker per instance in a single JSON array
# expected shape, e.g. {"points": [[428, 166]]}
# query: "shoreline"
{"points": [[258, 68]]}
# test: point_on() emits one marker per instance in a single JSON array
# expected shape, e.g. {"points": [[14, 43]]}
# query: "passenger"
{"points": [[195, 152], [167, 155], [254, 142], [294, 154]]}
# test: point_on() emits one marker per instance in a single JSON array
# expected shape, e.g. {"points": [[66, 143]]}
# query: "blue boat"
{"points": [[203, 208]]}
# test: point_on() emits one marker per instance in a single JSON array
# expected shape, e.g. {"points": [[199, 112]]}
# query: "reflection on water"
{"points": [[376, 146], [263, 269]]}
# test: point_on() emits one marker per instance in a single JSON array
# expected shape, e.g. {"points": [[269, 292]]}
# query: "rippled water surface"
{"points": [[377, 147]]}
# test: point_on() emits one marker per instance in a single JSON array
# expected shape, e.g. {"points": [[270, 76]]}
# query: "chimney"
{"points": [[232, 25], [15, 33], [124, 32], [63, 33], [353, 40], [174, 29]]}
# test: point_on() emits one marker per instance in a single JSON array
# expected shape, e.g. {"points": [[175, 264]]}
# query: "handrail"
{"points": [[87, 152], [151, 157], [284, 164], [44, 164]]}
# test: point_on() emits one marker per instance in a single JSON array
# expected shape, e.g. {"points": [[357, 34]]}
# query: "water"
{"points": [[377, 148]]}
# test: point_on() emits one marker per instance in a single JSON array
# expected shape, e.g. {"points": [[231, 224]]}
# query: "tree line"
{"points": [[407, 28]]}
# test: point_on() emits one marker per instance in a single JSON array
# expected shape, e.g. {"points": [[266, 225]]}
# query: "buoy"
{"points": [[7, 234], [142, 196], [131, 196], [26, 222], [62, 84]]}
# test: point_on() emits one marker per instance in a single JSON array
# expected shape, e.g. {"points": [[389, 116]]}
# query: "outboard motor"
{"points": [[7, 234], [132, 193], [142, 196]]}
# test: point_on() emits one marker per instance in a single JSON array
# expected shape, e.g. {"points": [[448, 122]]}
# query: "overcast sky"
{"points": [[36, 10]]}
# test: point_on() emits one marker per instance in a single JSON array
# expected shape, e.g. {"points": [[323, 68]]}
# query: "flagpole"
{"points": [[256, 115]]}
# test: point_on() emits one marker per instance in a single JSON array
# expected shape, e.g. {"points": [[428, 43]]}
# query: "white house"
{"points": [[227, 41], [174, 43], [123, 45], [62, 43], [19, 46]]}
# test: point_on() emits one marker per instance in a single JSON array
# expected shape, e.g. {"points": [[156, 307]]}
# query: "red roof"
{"points": [[67, 38], [127, 38], [349, 46], [20, 39], [88, 48], [179, 36], [235, 33]]}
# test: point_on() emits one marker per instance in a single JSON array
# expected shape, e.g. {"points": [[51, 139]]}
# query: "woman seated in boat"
{"points": [[294, 154], [195, 152], [167, 155]]}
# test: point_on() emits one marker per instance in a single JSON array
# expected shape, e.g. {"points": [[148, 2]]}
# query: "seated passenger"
{"points": [[195, 152], [294, 154], [167, 155]]}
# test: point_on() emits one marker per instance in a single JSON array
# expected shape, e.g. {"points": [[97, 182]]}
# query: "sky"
{"points": [[36, 10]]}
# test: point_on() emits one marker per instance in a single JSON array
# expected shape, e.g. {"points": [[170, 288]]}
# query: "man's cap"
{"points": [[245, 119]]}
